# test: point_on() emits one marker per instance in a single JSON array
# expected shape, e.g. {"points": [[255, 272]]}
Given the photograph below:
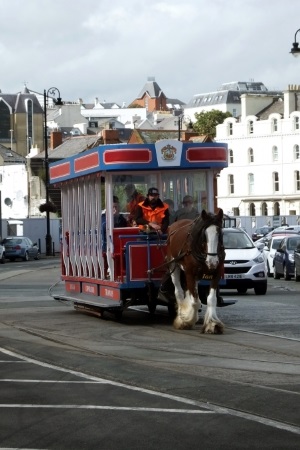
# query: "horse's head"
{"points": [[208, 243]]}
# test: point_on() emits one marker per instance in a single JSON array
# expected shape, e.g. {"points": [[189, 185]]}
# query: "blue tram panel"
{"points": [[163, 155]]}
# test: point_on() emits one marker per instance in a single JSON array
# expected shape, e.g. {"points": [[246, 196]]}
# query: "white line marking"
{"points": [[113, 408], [12, 380], [207, 406]]}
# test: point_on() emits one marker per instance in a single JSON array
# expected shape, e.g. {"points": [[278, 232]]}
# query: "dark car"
{"points": [[20, 247], [261, 232], [297, 263], [284, 263]]}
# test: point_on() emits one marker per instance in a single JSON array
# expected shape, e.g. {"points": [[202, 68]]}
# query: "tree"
{"points": [[206, 122]]}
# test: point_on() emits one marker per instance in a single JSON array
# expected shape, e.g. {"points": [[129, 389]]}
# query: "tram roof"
{"points": [[166, 154]]}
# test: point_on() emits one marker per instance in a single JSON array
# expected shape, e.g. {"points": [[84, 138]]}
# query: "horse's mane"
{"points": [[197, 233]]}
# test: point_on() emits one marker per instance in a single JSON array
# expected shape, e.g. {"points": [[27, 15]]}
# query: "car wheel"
{"points": [[242, 290], [297, 276], [38, 255], [260, 289], [3, 259], [26, 257], [276, 276], [269, 274], [286, 275]]}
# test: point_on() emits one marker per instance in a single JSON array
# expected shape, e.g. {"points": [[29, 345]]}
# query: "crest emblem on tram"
{"points": [[168, 152]]}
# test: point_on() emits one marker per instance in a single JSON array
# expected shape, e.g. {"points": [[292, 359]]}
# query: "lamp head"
{"points": [[295, 51], [58, 102]]}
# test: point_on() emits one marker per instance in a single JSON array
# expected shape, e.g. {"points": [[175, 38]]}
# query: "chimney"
{"points": [[110, 136], [55, 139]]}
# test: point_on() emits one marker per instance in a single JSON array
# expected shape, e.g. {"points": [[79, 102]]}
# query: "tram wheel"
{"points": [[118, 315], [152, 308]]}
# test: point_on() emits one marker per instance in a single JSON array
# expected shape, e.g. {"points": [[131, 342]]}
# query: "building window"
{"points": [[230, 129], [274, 125], [276, 181], [4, 121], [296, 152], [252, 209], [234, 112], [0, 178], [251, 183], [231, 184], [264, 209], [250, 127], [297, 180], [230, 156], [29, 120], [275, 153], [296, 123], [276, 209], [250, 155]]}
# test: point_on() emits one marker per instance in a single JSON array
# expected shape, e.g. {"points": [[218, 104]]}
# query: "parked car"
{"points": [[297, 263], [2, 254], [20, 247], [283, 263], [271, 245], [261, 232], [244, 267]]}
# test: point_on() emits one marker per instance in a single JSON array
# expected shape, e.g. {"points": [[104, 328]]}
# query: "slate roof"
{"points": [[277, 106], [152, 88], [10, 157], [71, 146], [18, 101], [230, 93]]}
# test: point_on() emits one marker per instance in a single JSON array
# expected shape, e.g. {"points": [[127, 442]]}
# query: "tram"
{"points": [[108, 268]]}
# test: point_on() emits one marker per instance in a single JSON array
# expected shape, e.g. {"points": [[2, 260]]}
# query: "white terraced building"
{"points": [[263, 174]]}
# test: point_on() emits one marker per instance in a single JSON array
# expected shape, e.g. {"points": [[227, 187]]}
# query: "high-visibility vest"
{"points": [[153, 215]]}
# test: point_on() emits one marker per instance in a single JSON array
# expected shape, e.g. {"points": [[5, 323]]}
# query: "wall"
{"points": [[35, 229]]}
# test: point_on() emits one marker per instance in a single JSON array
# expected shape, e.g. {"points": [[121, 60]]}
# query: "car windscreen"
{"points": [[293, 243], [12, 241], [276, 243], [236, 240]]}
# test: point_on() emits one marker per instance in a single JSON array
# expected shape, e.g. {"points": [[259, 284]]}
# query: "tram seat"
{"points": [[119, 247]]}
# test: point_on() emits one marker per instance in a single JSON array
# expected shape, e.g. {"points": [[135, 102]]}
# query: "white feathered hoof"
{"points": [[213, 327], [186, 317]]}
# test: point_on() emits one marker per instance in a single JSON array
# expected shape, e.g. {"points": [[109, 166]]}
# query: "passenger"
{"points": [[152, 214], [119, 221], [187, 211], [133, 199], [172, 212]]}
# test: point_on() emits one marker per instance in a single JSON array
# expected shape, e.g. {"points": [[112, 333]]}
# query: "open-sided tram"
{"points": [[110, 268]]}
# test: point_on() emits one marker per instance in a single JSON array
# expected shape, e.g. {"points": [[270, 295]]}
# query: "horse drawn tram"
{"points": [[108, 267]]}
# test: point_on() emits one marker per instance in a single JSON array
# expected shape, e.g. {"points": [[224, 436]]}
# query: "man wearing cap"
{"points": [[152, 213], [187, 211], [133, 199]]}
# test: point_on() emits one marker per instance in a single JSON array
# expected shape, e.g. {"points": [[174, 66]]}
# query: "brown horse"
{"points": [[196, 249]]}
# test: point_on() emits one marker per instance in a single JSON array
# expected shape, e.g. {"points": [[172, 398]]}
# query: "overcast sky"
{"points": [[107, 49]]}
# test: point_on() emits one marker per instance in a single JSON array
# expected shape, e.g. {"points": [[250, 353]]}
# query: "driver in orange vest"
{"points": [[152, 213]]}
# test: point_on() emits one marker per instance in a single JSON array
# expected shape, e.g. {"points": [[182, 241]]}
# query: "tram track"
{"points": [[268, 417]]}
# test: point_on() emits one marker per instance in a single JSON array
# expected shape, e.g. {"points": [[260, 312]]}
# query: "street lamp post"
{"points": [[295, 51], [51, 93], [180, 121]]}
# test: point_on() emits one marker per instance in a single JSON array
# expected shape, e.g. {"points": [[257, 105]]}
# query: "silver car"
{"points": [[2, 254], [20, 247], [244, 266]]}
